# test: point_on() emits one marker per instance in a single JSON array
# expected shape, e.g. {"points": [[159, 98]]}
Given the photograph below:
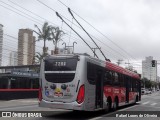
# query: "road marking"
{"points": [[17, 107], [145, 103], [152, 107], [96, 118], [153, 103]]}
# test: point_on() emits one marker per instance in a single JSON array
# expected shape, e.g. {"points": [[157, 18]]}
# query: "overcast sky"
{"points": [[132, 25]]}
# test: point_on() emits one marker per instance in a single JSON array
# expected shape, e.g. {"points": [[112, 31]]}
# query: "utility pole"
{"points": [[119, 61], [128, 63]]}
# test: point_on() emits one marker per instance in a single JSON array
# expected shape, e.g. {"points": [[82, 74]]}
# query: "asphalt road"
{"points": [[148, 103]]}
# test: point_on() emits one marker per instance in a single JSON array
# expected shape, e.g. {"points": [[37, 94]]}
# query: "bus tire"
{"points": [[137, 98], [109, 104], [115, 104]]}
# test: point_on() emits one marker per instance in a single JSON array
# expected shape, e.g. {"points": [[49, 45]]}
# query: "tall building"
{"points": [[1, 42], [148, 71], [13, 58], [26, 47]]}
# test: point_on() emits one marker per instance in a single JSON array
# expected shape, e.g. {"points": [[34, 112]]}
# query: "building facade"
{"points": [[148, 71], [1, 42], [26, 47], [13, 59]]}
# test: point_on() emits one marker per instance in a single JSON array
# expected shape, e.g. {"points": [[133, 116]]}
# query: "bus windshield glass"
{"points": [[60, 70]]}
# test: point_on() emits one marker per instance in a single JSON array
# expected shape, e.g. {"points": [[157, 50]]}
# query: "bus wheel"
{"points": [[136, 100], [115, 104], [108, 107], [109, 104]]}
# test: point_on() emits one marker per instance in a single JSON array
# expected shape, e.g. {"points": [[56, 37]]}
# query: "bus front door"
{"points": [[99, 89]]}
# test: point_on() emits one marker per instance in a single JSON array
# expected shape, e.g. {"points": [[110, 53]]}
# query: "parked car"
{"points": [[143, 91], [148, 91]]}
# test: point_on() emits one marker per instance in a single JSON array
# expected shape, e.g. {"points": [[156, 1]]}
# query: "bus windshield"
{"points": [[60, 70], [63, 64]]}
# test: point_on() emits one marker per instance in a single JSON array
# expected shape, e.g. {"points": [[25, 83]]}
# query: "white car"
{"points": [[143, 91], [148, 91]]}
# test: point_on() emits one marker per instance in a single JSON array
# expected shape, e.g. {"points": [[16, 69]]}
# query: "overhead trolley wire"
{"points": [[56, 25], [63, 16], [98, 31], [87, 34], [76, 33]]}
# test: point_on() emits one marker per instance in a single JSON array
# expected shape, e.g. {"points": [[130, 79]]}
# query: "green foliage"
{"points": [[56, 36], [148, 83], [49, 33], [44, 35]]}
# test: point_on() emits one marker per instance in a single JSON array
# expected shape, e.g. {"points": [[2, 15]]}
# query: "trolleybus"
{"points": [[84, 83]]}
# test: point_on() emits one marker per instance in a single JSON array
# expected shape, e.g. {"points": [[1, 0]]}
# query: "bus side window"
{"points": [[121, 80], [108, 78], [116, 79], [130, 84], [91, 73], [133, 84]]}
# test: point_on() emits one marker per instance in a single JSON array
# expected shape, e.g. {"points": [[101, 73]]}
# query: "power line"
{"points": [[77, 34], [87, 34], [99, 31], [115, 56], [19, 10], [52, 22], [54, 11], [27, 10], [17, 39], [19, 14]]}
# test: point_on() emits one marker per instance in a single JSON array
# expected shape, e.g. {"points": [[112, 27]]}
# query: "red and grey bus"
{"points": [[84, 83]]}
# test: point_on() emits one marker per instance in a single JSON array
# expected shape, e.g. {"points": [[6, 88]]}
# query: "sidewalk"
{"points": [[18, 102]]}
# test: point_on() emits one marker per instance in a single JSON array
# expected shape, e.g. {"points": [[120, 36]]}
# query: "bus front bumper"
{"points": [[61, 105]]}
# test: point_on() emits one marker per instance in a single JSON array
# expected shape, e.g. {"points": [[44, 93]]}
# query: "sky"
{"points": [[125, 29]]}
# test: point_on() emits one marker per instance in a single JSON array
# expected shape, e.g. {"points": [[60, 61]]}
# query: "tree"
{"points": [[147, 83], [44, 35], [56, 34]]}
